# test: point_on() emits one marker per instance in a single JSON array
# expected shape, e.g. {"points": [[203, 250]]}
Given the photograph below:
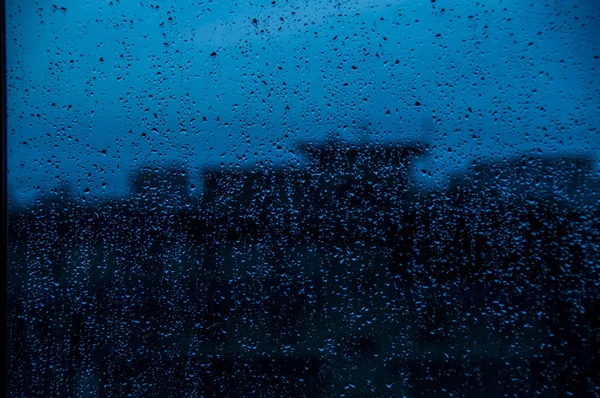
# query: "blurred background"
{"points": [[291, 199]]}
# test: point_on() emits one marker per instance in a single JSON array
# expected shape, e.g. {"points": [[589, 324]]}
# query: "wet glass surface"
{"points": [[281, 198]]}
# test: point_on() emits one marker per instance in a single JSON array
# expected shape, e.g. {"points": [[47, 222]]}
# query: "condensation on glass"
{"points": [[288, 198]]}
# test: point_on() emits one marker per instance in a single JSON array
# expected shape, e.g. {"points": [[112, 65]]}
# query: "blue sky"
{"points": [[119, 84]]}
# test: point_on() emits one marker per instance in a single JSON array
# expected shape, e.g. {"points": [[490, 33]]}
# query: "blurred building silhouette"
{"points": [[309, 280], [162, 186], [365, 169], [336, 176], [235, 191], [568, 180]]}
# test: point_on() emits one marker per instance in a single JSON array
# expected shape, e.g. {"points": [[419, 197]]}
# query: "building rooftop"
{"points": [[331, 150]]}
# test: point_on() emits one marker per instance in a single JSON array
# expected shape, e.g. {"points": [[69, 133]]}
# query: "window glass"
{"points": [[293, 198]]}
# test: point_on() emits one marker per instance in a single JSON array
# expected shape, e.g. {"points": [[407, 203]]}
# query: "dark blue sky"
{"points": [[97, 90]]}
